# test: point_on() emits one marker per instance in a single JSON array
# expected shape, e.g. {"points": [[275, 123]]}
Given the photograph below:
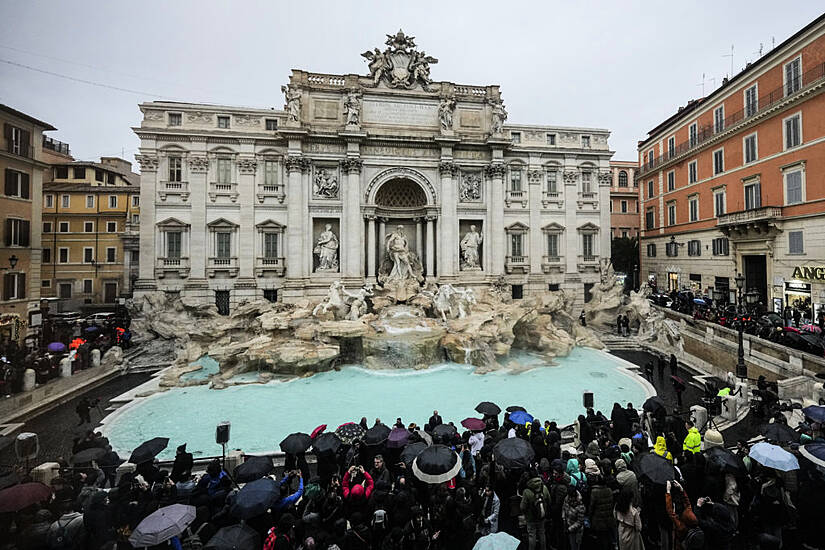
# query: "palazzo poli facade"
{"points": [[242, 203]]}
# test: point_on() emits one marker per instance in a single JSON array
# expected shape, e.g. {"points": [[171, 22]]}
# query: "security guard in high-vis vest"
{"points": [[693, 441]]}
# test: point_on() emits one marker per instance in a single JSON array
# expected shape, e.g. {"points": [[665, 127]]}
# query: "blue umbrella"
{"points": [[699, 301], [56, 347], [520, 417], [774, 457], [91, 329], [815, 452], [815, 413]]}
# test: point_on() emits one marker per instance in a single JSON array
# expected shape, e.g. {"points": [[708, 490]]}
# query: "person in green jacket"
{"points": [[535, 506], [693, 440]]}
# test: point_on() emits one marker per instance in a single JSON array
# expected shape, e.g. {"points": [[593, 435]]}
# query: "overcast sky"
{"points": [[619, 65]]}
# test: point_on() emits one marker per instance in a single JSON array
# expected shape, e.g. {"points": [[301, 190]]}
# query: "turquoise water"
{"points": [[208, 368], [263, 414]]}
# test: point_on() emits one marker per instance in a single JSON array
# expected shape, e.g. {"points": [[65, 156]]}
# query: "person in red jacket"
{"points": [[357, 484]]}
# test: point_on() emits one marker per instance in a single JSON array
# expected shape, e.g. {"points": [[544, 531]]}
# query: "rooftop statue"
{"points": [[401, 65]]}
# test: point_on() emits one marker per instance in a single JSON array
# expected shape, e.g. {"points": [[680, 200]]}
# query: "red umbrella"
{"points": [[21, 496], [474, 424], [320, 429], [679, 380]]}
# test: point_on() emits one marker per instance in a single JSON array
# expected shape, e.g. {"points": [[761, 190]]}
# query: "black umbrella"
{"points": [[657, 469], [725, 460], [326, 443], [377, 434], [148, 450], [296, 443], [255, 467], [485, 407], [444, 431], [349, 432], [653, 404], [234, 537], [87, 455], [255, 498], [514, 408], [514, 452], [436, 464], [23, 495], [779, 433], [411, 451]]}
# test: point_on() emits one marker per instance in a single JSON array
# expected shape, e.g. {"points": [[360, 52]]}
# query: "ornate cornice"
{"points": [[495, 170], [448, 168], [352, 166], [534, 177], [198, 164], [247, 165], [148, 163]]}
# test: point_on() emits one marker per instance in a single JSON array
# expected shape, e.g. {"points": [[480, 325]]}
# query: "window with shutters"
{"points": [[671, 147], [649, 219], [718, 202], [671, 213], [693, 208], [79, 172], [693, 172], [17, 184], [753, 195], [721, 246], [135, 201], [651, 250], [694, 248], [48, 201], [136, 218], [795, 245], [751, 101], [17, 140], [88, 254], [650, 189], [90, 201], [17, 232], [749, 147], [14, 286], [794, 186], [112, 201], [719, 119], [671, 180], [672, 249], [793, 76], [718, 161], [63, 255], [111, 254], [793, 131], [693, 131], [175, 169]]}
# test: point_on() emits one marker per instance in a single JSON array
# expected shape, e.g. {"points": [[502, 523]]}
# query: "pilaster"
{"points": [[199, 186], [448, 227], [247, 171], [295, 268], [352, 225], [534, 181], [495, 173]]}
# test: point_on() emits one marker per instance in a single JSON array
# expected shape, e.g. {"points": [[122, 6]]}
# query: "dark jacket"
{"points": [[528, 499], [182, 468], [601, 508]]}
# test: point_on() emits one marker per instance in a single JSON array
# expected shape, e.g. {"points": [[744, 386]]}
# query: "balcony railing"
{"points": [[272, 264], [587, 195], [551, 263], [749, 216], [180, 266], [223, 189], [765, 103], [215, 264], [55, 145], [271, 190], [180, 188], [517, 263], [516, 196]]}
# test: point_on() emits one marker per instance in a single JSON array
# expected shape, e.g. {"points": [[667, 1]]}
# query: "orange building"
{"points": [[735, 182], [624, 199]]}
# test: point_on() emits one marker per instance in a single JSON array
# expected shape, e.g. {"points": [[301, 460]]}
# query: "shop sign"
{"points": [[795, 286], [812, 273]]}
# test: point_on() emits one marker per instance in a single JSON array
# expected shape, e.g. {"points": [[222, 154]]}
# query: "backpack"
{"points": [[694, 539], [540, 504], [581, 482]]}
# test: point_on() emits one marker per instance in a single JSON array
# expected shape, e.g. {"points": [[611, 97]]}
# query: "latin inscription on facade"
{"points": [[470, 119], [326, 110], [400, 113], [393, 151]]}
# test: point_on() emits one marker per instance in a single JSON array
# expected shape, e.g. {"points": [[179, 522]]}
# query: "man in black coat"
{"points": [[182, 468], [435, 420]]}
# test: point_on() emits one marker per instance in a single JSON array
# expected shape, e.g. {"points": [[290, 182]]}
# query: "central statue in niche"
{"points": [[401, 272]]}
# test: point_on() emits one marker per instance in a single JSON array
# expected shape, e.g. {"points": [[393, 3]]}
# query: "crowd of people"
{"points": [[636, 479]]}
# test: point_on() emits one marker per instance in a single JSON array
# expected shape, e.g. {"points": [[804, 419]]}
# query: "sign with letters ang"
{"points": [[808, 272]]}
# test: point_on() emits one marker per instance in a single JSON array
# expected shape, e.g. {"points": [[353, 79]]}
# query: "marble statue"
{"points": [[445, 113], [398, 250], [453, 302], [293, 102], [401, 272], [401, 65], [357, 302], [326, 247], [325, 185], [470, 245], [470, 189], [499, 116], [343, 304], [352, 108]]}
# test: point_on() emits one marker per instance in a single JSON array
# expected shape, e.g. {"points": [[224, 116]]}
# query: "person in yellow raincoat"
{"points": [[660, 448], [693, 440]]}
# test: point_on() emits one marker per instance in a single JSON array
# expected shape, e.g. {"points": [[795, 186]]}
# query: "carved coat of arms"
{"points": [[400, 65]]}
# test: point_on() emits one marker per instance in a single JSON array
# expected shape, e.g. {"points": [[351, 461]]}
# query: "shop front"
{"points": [[798, 296]]}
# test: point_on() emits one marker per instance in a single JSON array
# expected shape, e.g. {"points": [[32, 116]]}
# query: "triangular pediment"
{"points": [[172, 222], [589, 226], [221, 223], [271, 225], [553, 227], [517, 226]]}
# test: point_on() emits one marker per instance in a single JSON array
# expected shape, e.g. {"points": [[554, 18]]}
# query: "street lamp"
{"points": [[741, 368], [12, 263]]}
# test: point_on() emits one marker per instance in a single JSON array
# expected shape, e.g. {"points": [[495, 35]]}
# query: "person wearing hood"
{"points": [[98, 522], [693, 439], [577, 477], [593, 451], [600, 511], [67, 532], [182, 467], [489, 511], [628, 482], [620, 422], [574, 515], [660, 448], [535, 506]]}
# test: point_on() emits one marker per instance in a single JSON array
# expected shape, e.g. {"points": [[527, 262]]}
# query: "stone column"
{"points": [[371, 249], [419, 239], [430, 268], [352, 224], [497, 247], [247, 168], [447, 242], [536, 248], [295, 224], [382, 237]]}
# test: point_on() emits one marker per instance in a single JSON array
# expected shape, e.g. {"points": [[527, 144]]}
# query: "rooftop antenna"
{"points": [[702, 84], [759, 53], [731, 60], [773, 42]]}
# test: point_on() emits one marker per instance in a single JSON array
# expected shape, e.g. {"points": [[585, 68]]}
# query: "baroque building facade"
{"points": [[242, 203]]}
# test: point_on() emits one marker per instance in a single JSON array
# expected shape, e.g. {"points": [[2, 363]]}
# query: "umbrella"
{"points": [[377, 434], [428, 439], [255, 498], [23, 495], [514, 408], [234, 537], [56, 347], [774, 457], [678, 379], [815, 452], [91, 329], [87, 455], [520, 418], [444, 431], [699, 301], [398, 438], [325, 443], [653, 404], [485, 407], [254, 467], [436, 464], [815, 412], [349, 432], [148, 450], [514, 452], [162, 524], [656, 468], [317, 431], [296, 443], [411, 451], [779, 433], [726, 460], [474, 424], [497, 541]]}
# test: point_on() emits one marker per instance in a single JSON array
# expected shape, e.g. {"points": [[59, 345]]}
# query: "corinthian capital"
{"points": [[148, 163], [495, 170], [448, 168], [352, 166], [294, 163]]}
